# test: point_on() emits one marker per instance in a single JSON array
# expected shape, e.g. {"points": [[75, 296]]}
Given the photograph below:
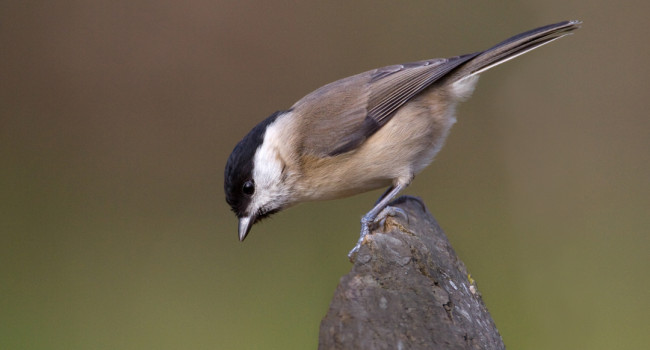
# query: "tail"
{"points": [[515, 46]]}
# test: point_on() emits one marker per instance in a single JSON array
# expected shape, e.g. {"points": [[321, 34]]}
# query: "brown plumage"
{"points": [[375, 129]]}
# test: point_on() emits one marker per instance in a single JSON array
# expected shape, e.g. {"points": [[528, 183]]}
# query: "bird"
{"points": [[376, 129]]}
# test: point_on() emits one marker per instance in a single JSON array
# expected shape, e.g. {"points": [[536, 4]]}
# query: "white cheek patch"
{"points": [[267, 169]]}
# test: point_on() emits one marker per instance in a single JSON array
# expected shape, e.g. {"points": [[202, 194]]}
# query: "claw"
{"points": [[390, 211], [367, 223], [380, 210], [365, 231], [352, 255]]}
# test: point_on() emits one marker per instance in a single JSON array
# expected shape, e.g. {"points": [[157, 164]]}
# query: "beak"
{"points": [[245, 225]]}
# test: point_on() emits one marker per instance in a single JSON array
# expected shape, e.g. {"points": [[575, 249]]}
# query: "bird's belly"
{"points": [[394, 154]]}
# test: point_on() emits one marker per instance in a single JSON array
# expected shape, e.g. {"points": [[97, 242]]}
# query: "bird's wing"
{"points": [[340, 116]]}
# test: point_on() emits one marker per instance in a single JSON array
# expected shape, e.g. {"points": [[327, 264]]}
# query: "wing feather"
{"points": [[343, 114], [350, 110]]}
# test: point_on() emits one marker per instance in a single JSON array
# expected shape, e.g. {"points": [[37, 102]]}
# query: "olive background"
{"points": [[117, 117]]}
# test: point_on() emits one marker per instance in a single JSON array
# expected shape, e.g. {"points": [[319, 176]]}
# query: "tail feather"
{"points": [[515, 46]]}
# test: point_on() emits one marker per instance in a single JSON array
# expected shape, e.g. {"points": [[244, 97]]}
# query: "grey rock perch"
{"points": [[408, 290]]}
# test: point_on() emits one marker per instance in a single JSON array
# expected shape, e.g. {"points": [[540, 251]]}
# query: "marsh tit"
{"points": [[372, 130]]}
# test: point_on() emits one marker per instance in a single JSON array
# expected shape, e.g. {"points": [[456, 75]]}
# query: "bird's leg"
{"points": [[378, 213], [388, 190]]}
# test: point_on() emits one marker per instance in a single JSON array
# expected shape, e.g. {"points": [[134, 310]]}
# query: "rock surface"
{"points": [[408, 290]]}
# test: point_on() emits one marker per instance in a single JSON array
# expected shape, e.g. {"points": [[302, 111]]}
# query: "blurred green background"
{"points": [[117, 117]]}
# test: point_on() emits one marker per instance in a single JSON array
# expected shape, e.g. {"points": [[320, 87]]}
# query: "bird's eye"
{"points": [[249, 187]]}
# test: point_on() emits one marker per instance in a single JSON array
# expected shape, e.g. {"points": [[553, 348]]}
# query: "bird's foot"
{"points": [[390, 211], [369, 223]]}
